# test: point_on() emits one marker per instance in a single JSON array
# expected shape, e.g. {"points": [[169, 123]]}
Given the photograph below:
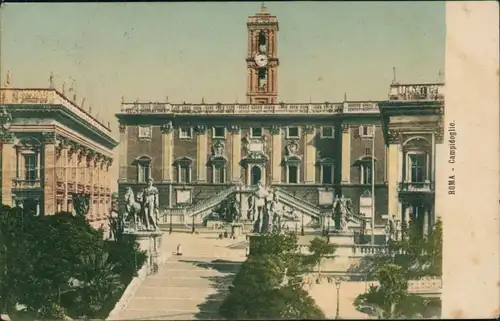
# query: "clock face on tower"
{"points": [[261, 60]]}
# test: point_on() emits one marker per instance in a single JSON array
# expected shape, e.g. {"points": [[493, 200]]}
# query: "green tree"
{"points": [[320, 248], [269, 283]]}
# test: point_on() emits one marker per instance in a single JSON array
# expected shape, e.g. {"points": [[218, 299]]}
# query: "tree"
{"points": [[412, 258], [320, 248], [269, 283]]}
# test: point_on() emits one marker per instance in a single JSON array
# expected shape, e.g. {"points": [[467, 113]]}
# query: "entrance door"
{"points": [[255, 175]]}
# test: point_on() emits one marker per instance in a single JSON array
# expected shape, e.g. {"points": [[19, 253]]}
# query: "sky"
{"points": [[190, 51]]}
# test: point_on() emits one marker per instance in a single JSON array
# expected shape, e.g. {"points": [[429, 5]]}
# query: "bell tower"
{"points": [[262, 58]]}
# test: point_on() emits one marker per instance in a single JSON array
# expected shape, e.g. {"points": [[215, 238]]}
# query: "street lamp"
{"points": [[337, 285], [170, 227]]}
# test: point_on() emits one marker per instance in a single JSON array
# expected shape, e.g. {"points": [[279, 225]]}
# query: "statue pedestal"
{"points": [[344, 241], [151, 242], [252, 240], [237, 229]]}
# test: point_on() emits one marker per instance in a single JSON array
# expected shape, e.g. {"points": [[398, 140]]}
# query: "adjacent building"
{"points": [[51, 148], [199, 154]]}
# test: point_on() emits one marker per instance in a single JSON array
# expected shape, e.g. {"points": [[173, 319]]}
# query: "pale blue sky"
{"points": [[187, 51]]}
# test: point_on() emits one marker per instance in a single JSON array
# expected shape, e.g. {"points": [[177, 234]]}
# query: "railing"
{"points": [[249, 109], [23, 183], [417, 92], [48, 96], [301, 204], [202, 205], [361, 250], [426, 186]]}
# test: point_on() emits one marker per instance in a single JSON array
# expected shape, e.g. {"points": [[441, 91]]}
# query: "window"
{"points": [[144, 131], [184, 173], [327, 132], [143, 168], [219, 132], [417, 168], [366, 173], [368, 151], [30, 167], [185, 132], [219, 174], [256, 131], [366, 130], [144, 171], [293, 132], [293, 174], [327, 174]]}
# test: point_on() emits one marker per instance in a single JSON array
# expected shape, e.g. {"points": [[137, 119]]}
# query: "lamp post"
{"points": [[170, 227], [302, 227], [337, 285]]}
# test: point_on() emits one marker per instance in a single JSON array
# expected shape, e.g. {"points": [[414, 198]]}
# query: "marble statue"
{"points": [[388, 231], [343, 220], [151, 206], [398, 235], [259, 208]]}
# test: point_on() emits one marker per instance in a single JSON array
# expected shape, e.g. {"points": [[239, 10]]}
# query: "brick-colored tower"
{"points": [[262, 58]]}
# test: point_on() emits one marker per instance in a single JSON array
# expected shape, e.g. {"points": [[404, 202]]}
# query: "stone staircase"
{"points": [[187, 287]]}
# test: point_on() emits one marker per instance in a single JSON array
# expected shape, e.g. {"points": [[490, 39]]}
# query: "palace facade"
{"points": [[50, 148], [312, 153]]}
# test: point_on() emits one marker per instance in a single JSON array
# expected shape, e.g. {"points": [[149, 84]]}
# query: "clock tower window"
{"points": [[262, 77], [262, 42]]}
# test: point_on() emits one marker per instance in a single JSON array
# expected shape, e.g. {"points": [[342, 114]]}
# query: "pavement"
{"points": [[187, 287]]}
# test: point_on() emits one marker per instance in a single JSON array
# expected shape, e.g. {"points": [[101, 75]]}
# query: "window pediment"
{"points": [[293, 159], [218, 160], [325, 161], [363, 160], [184, 161], [143, 160]]}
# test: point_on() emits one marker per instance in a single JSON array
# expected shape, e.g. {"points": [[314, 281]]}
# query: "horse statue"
{"points": [[132, 207]]}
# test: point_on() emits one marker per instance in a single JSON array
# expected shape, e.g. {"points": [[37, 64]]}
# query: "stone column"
{"points": [[425, 218], [276, 156], [49, 188], [346, 153], [66, 163], [8, 167], [309, 154], [235, 153], [167, 153], [393, 177], [202, 154], [123, 161]]}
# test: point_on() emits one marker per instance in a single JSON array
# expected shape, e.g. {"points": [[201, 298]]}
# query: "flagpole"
{"points": [[373, 186]]}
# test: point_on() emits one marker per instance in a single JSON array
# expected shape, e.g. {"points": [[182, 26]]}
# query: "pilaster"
{"points": [[167, 151], [346, 154], [309, 154], [235, 153], [276, 155], [8, 169], [202, 154], [66, 163], [49, 188], [122, 157], [393, 180]]}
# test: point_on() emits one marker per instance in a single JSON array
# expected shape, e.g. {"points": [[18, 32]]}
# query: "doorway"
{"points": [[255, 175]]}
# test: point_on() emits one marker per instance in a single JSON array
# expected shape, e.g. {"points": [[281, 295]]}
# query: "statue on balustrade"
{"points": [[151, 206], [259, 209], [388, 231], [398, 235], [81, 203]]}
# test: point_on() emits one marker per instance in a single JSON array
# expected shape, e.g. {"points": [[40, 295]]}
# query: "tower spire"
{"points": [[394, 81], [263, 8]]}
